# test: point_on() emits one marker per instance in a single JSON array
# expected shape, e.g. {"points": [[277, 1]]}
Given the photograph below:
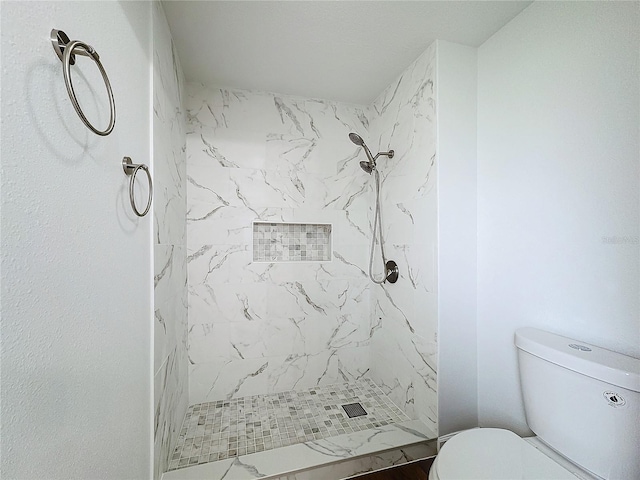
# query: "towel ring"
{"points": [[131, 169], [66, 51]]}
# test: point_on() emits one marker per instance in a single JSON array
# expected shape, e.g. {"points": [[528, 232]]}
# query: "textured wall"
{"points": [[558, 188], [76, 267], [263, 327], [170, 252], [404, 350]]}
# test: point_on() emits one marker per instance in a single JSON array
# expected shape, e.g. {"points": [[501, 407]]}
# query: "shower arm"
{"points": [[389, 154]]}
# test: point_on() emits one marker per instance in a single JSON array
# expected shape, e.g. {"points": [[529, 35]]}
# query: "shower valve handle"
{"points": [[393, 272]]}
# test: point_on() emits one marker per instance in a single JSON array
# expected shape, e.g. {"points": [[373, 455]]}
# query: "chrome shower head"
{"points": [[367, 167], [357, 139]]}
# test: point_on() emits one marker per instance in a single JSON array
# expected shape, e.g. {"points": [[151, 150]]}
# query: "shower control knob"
{"points": [[393, 272]]}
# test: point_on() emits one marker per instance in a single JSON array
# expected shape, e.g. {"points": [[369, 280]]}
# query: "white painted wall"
{"points": [[457, 237], [76, 263], [558, 175]]}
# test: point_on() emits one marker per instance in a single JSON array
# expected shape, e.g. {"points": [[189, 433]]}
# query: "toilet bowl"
{"points": [[498, 454]]}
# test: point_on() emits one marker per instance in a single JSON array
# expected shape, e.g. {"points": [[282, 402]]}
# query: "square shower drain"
{"points": [[354, 410]]}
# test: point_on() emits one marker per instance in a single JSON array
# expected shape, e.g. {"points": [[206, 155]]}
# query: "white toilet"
{"points": [[582, 402]]}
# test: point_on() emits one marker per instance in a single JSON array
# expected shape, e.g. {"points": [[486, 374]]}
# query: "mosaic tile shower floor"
{"points": [[223, 429]]}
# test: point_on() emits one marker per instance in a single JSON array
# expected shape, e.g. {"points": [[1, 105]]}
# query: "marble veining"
{"points": [[260, 319], [267, 327], [364, 464], [170, 252], [404, 348]]}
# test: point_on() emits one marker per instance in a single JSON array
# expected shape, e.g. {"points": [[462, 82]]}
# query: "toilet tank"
{"points": [[583, 401]]}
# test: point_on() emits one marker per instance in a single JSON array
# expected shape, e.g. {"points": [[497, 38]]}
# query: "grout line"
{"points": [[228, 428]]}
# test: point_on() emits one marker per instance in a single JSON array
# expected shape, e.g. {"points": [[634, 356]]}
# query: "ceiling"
{"points": [[347, 51]]}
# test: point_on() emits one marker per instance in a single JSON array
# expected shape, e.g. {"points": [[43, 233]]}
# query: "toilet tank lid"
{"points": [[596, 362]]}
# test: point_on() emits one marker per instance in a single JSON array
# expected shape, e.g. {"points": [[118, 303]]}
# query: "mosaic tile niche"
{"points": [[291, 242]]}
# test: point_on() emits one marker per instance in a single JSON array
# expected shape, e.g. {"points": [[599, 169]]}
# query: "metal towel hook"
{"points": [[131, 169], [67, 51]]}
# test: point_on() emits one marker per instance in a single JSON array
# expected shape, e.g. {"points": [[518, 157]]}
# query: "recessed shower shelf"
{"points": [[280, 242]]}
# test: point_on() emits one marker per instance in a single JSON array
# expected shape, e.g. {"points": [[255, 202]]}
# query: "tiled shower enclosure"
{"points": [[263, 318], [259, 327]]}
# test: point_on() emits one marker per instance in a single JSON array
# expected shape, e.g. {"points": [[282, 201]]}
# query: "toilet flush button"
{"points": [[614, 399]]}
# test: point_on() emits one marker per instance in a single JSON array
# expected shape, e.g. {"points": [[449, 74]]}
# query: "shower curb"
{"points": [[334, 457]]}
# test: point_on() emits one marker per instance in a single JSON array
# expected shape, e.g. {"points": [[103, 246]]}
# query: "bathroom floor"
{"points": [[224, 429], [411, 471]]}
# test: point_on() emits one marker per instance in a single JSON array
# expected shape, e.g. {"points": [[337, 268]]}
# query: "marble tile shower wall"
{"points": [[405, 347], [170, 250], [258, 328]]}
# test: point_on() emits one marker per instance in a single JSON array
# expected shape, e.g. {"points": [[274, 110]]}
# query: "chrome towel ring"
{"points": [[66, 51], [131, 169]]}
